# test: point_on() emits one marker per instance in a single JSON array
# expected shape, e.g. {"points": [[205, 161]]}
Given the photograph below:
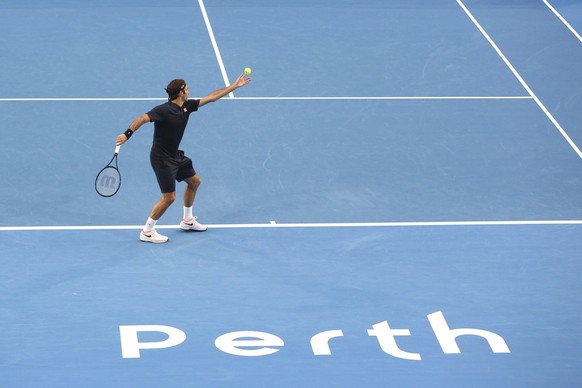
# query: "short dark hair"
{"points": [[174, 87]]}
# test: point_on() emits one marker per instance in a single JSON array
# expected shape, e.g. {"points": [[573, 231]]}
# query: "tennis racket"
{"points": [[108, 180]]}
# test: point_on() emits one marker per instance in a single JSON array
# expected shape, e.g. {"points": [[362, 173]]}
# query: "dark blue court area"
{"points": [[393, 201]]}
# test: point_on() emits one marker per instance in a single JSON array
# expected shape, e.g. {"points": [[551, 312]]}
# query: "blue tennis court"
{"points": [[394, 201]]}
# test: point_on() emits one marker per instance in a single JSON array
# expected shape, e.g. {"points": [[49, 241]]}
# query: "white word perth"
{"points": [[258, 343]]}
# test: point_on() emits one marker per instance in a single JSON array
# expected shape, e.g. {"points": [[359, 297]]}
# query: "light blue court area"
{"points": [[338, 161], [355, 48], [71, 290], [394, 201], [102, 48]]}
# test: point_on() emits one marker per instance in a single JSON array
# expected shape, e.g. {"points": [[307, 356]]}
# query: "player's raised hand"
{"points": [[242, 80]]}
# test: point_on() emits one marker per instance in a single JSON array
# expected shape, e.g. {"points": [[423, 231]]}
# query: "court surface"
{"points": [[394, 201]]}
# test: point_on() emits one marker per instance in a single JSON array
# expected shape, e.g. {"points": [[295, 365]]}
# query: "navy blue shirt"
{"points": [[170, 121]]}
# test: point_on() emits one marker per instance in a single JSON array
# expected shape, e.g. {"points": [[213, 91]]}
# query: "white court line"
{"points": [[563, 20], [523, 83], [273, 224], [86, 99], [215, 46], [24, 99], [393, 98]]}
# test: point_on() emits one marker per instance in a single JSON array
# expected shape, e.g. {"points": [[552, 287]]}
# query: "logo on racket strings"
{"points": [[108, 181]]}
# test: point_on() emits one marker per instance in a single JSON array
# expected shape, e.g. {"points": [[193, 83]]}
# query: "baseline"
{"points": [[274, 224]]}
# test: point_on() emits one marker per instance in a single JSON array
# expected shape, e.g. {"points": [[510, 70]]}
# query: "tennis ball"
{"points": [[247, 70]]}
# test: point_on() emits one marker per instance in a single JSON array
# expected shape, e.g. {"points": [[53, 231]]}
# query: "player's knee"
{"points": [[169, 198], [195, 182]]}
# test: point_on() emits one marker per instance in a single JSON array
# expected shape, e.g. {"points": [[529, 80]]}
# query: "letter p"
{"points": [[130, 345]]}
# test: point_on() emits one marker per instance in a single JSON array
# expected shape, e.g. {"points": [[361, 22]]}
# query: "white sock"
{"points": [[149, 226], [187, 212]]}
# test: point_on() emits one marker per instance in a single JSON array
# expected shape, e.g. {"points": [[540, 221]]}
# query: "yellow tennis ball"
{"points": [[247, 70]]}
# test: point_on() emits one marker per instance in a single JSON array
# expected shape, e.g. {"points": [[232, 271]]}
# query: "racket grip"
{"points": [[117, 149]]}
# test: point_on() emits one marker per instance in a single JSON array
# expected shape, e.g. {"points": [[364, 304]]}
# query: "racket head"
{"points": [[108, 181]]}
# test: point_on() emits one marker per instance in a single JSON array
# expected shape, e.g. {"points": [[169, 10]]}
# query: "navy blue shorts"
{"points": [[169, 170]]}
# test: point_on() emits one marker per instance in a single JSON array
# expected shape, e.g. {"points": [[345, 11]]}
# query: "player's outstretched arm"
{"points": [[242, 80]]}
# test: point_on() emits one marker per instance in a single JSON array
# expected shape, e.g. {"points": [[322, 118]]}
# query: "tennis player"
{"points": [[168, 161]]}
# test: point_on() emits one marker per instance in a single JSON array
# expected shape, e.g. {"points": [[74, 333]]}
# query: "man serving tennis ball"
{"points": [[169, 163]]}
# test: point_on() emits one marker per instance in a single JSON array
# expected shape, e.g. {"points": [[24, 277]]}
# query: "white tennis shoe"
{"points": [[153, 237], [192, 224]]}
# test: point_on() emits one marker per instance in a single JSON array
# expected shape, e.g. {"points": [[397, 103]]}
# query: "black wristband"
{"points": [[128, 133]]}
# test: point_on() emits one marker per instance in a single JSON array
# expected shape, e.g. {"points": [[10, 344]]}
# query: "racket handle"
{"points": [[117, 149]]}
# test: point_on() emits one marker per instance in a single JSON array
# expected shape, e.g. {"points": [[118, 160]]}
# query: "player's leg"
{"points": [[192, 187], [188, 220], [162, 205], [166, 176], [149, 234]]}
